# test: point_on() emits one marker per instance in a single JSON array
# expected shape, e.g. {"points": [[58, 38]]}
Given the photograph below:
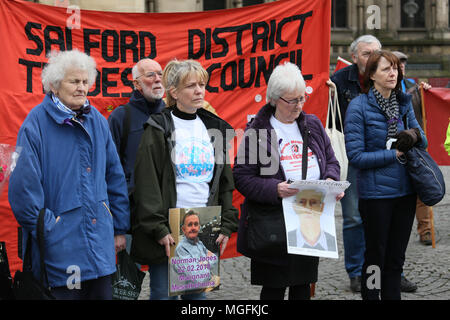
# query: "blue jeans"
{"points": [[353, 230], [159, 285]]}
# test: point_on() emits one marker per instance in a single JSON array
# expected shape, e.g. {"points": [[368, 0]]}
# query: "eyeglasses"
{"points": [[295, 102], [151, 75]]}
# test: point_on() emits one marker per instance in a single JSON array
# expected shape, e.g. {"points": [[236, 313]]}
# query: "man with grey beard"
{"points": [[127, 122]]}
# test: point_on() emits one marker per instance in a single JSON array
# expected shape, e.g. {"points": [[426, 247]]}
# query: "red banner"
{"points": [[238, 47], [437, 114]]}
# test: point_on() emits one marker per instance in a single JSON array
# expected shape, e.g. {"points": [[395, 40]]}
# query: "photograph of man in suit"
{"points": [[308, 206]]}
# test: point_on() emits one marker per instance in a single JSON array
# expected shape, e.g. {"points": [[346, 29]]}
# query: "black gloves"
{"points": [[406, 139]]}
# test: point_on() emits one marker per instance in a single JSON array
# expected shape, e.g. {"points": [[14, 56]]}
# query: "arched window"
{"points": [[339, 14], [413, 14]]}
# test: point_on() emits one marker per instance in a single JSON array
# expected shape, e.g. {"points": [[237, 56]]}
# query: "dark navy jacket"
{"points": [[348, 87], [141, 109]]}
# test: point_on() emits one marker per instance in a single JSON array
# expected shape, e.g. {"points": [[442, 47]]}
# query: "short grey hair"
{"points": [[285, 77], [60, 61], [367, 38]]}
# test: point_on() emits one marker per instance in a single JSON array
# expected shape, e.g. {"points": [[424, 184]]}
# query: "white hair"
{"points": [[367, 38], [286, 77], [61, 61]]}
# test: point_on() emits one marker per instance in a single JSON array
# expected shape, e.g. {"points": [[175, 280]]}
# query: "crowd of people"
{"points": [[108, 185]]}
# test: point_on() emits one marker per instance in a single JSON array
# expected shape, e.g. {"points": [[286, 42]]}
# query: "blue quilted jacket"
{"points": [[380, 175]]}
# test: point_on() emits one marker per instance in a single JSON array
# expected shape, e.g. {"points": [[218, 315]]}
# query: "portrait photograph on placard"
{"points": [[309, 218], [194, 260]]}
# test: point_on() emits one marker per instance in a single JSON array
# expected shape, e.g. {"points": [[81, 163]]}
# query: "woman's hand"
{"points": [[340, 195], [284, 191], [222, 240], [120, 242], [166, 242]]}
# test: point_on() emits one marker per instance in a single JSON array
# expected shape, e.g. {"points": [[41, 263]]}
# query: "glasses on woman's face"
{"points": [[151, 75], [297, 101]]}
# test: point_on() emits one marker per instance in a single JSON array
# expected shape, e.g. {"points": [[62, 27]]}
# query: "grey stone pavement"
{"points": [[426, 266]]}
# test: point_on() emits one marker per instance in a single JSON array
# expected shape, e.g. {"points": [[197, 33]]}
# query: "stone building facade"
{"points": [[419, 28]]}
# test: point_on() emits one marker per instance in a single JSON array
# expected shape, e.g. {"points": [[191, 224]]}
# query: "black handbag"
{"points": [[127, 280], [26, 286], [426, 177], [266, 233], [5, 275]]}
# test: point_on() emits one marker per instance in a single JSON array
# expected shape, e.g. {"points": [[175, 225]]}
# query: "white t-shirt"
{"points": [[193, 157], [290, 147]]}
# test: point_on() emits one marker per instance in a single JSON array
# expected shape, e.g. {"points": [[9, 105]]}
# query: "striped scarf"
{"points": [[390, 109]]}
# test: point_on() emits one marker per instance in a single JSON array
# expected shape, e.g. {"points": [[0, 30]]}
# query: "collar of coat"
{"points": [[58, 115]]}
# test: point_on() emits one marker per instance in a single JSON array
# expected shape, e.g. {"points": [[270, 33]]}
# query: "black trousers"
{"points": [[95, 289], [387, 228], [299, 292]]}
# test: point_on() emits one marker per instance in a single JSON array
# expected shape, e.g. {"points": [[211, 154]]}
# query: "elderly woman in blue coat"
{"points": [[69, 166], [380, 127], [266, 160]]}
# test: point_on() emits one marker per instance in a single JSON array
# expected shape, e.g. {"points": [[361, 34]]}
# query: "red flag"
{"points": [[437, 116], [341, 64]]}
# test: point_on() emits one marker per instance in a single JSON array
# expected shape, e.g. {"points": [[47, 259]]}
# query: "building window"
{"points": [[246, 3], [413, 14], [214, 4], [339, 14]]}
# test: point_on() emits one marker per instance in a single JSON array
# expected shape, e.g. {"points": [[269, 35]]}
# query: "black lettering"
{"points": [[126, 82], [279, 58], [302, 18], [68, 38], [273, 29], [143, 35], [280, 41], [241, 76], [107, 83], [223, 76], [208, 44], [299, 64], [115, 45], [210, 70], [124, 46], [88, 44], [220, 41], [30, 65], [36, 39], [201, 38], [49, 41], [265, 69], [96, 90], [260, 36]]}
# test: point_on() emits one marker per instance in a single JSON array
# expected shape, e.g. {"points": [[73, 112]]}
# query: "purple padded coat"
{"points": [[260, 187]]}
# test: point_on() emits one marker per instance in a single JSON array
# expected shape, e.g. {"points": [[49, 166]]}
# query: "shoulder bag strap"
{"points": [[41, 244], [305, 151], [125, 132]]}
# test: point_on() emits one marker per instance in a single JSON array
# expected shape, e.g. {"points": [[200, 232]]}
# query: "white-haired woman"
{"points": [[69, 166], [279, 125], [182, 162]]}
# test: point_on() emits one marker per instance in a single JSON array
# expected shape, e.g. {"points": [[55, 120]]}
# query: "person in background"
{"points": [[262, 178], [182, 162], [409, 85], [127, 122], [69, 166], [387, 199]]}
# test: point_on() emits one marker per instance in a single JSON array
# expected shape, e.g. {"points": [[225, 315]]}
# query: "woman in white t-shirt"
{"points": [[182, 162], [280, 127]]}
